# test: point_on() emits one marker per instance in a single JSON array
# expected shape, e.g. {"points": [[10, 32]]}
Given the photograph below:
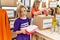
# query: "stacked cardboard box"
{"points": [[43, 4], [58, 10], [9, 2]]}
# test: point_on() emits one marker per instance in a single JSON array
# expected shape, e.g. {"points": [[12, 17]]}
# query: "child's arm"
{"points": [[18, 32], [17, 29], [37, 13], [21, 31]]}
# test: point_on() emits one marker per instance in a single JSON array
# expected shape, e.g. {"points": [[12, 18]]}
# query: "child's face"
{"points": [[23, 12], [37, 5]]}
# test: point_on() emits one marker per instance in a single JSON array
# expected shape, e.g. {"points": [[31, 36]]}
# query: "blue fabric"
{"points": [[20, 23]]}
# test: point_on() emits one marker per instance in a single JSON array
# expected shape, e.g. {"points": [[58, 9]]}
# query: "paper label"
{"points": [[53, 4], [10, 13], [12, 24], [47, 23], [58, 17]]}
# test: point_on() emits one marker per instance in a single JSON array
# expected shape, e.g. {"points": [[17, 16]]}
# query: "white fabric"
{"points": [[31, 28]]}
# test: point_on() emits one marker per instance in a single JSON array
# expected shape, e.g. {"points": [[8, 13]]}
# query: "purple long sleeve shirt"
{"points": [[21, 23]]}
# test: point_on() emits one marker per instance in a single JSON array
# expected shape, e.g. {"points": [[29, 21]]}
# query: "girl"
{"points": [[20, 23], [35, 9]]}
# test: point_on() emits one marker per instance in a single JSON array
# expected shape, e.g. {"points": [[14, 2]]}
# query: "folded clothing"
{"points": [[31, 29]]}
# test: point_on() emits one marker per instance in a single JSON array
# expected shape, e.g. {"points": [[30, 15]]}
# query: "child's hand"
{"points": [[23, 31], [39, 12]]}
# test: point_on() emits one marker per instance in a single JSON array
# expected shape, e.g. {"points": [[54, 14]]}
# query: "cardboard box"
{"points": [[9, 2], [43, 4], [51, 0], [43, 22], [58, 10]]}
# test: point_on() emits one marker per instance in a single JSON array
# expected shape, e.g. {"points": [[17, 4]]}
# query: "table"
{"points": [[45, 34]]}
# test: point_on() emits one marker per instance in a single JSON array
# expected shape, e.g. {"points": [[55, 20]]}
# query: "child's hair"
{"points": [[52, 10], [54, 15], [37, 1], [18, 11]]}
